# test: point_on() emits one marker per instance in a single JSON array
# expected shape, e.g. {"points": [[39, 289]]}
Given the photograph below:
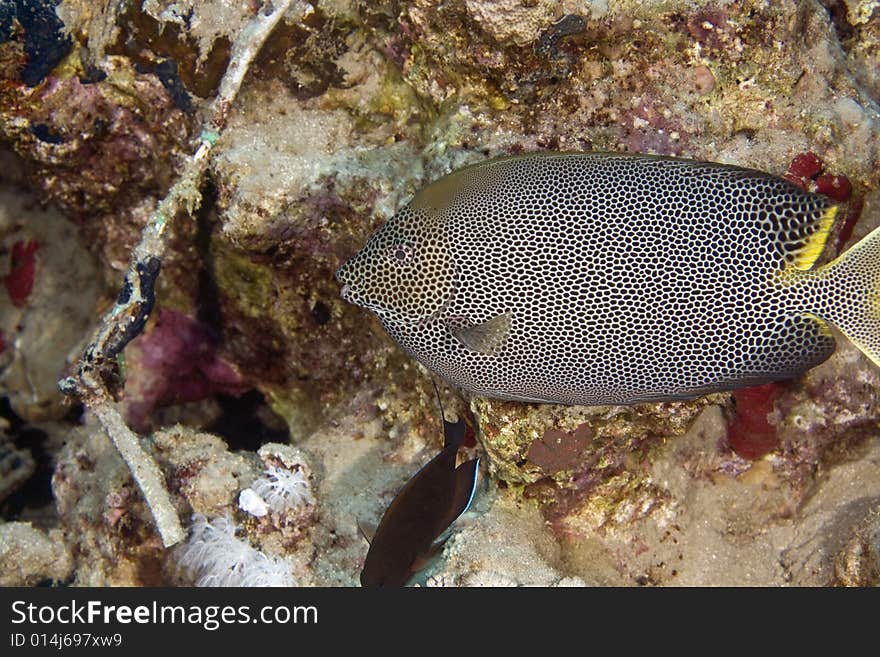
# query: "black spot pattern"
{"points": [[627, 278]]}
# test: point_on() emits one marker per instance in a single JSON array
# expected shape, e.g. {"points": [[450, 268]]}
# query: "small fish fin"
{"points": [[486, 338], [436, 547], [465, 487], [423, 560], [810, 240], [453, 433], [853, 303], [367, 530]]}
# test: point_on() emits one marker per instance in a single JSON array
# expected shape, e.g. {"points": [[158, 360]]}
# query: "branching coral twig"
{"points": [[98, 381]]}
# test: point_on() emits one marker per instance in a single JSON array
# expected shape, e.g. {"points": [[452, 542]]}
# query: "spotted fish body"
{"points": [[610, 279]]}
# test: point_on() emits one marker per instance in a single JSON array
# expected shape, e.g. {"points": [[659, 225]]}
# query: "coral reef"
{"points": [[349, 108]]}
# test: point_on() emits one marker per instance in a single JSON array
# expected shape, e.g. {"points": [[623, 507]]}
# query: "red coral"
{"points": [[804, 169], [750, 434], [837, 187], [2, 342], [808, 172], [845, 227], [19, 281]]}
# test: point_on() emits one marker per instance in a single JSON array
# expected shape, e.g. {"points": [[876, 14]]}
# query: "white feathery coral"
{"points": [[215, 556], [283, 489]]}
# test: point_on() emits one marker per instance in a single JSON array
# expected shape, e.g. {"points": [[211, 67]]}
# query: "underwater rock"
{"points": [[858, 563], [30, 556], [311, 183], [95, 147], [46, 306], [827, 417], [202, 469], [857, 26], [101, 513], [35, 25], [512, 20], [287, 486], [107, 526], [575, 441], [208, 480], [16, 465]]}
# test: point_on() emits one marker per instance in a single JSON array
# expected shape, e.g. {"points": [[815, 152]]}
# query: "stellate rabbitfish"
{"points": [[598, 278]]}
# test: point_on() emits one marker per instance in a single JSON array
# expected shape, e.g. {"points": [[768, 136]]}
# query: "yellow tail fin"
{"points": [[851, 294]]}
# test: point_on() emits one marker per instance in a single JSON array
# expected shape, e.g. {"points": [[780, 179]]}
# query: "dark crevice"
{"points": [[36, 492], [247, 423]]}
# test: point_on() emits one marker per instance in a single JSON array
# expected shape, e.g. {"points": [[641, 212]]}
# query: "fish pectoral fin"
{"points": [[421, 562], [486, 338]]}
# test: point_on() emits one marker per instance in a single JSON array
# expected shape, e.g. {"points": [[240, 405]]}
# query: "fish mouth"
{"points": [[351, 296], [345, 292]]}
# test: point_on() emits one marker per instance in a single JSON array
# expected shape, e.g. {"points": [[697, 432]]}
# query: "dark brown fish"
{"points": [[429, 502]]}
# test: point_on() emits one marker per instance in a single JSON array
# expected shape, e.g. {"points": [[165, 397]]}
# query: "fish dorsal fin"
{"points": [[807, 246], [367, 530], [453, 433], [486, 338]]}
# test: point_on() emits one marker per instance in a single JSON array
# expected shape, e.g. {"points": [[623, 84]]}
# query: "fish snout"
{"points": [[342, 277]]}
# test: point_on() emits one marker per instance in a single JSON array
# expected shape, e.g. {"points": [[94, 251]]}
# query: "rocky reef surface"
{"points": [[282, 417]]}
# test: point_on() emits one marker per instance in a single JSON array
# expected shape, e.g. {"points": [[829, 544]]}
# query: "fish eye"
{"points": [[401, 253]]}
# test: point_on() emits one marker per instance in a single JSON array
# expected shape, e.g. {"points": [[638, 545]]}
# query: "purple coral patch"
{"points": [[178, 362]]}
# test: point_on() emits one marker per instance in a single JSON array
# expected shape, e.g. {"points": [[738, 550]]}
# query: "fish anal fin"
{"points": [[485, 338]]}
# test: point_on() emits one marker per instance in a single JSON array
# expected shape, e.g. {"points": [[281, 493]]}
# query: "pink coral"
{"points": [[176, 362]]}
